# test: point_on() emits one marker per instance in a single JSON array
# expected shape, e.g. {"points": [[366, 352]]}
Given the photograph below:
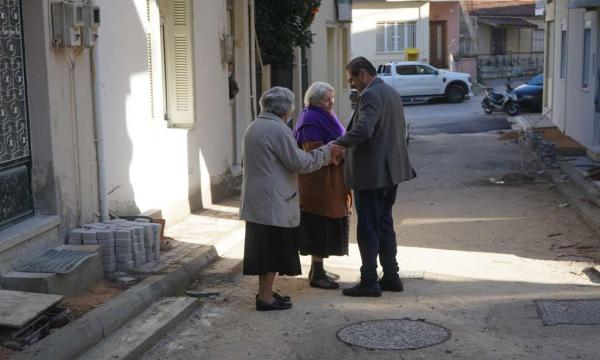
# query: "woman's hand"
{"points": [[337, 153]]}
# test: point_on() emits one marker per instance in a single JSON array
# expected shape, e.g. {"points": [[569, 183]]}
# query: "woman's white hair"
{"points": [[315, 92], [277, 100]]}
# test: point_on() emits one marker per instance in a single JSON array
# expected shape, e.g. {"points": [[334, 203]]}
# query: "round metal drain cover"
{"points": [[394, 334]]}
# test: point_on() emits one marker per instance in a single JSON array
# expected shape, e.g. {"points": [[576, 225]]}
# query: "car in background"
{"points": [[529, 95], [417, 81]]}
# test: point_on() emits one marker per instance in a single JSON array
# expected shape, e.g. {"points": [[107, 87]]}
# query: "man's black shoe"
{"points": [[275, 305], [393, 284], [371, 290]]}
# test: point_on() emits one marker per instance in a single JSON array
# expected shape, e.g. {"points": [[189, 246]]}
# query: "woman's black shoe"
{"points": [[275, 305], [325, 283], [319, 279], [279, 297], [330, 275]]}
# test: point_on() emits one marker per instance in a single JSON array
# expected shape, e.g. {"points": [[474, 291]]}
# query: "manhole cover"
{"points": [[569, 312], [393, 334]]}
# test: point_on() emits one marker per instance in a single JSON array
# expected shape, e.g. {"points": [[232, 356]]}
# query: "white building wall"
{"points": [[559, 96], [579, 112], [365, 17], [149, 164], [329, 54], [572, 105]]}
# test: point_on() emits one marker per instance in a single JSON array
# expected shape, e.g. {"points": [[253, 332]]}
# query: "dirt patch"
{"points": [[5, 353], [509, 136], [96, 295]]}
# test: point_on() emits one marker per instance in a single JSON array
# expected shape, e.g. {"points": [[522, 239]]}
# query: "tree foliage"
{"points": [[282, 25]]}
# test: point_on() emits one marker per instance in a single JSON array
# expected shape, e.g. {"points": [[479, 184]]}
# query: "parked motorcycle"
{"points": [[507, 101]]}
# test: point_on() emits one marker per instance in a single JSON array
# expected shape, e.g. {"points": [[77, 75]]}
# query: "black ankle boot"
{"points": [[319, 279]]}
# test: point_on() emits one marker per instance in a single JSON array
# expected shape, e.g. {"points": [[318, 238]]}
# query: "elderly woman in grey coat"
{"points": [[269, 203]]}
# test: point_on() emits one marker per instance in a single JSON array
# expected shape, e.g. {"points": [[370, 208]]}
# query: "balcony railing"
{"points": [[513, 64]]}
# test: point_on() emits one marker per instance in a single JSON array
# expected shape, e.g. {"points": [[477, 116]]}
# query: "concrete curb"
{"points": [[82, 334], [586, 186], [141, 333], [580, 194]]}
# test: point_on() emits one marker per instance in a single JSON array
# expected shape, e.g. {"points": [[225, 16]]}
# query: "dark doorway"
{"points": [[437, 44], [498, 43]]}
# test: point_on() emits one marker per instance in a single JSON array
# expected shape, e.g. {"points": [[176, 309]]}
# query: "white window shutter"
{"points": [[178, 43]]}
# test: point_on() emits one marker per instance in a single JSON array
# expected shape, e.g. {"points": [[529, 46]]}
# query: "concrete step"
{"points": [[142, 332]]}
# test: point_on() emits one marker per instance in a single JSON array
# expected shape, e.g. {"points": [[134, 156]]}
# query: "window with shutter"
{"points": [[177, 48]]}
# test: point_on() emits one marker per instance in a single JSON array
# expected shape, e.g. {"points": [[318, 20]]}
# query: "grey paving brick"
{"points": [[124, 258], [123, 250], [76, 234], [109, 267], [124, 243], [108, 251], [123, 234], [125, 266], [105, 234], [88, 235], [108, 243]]}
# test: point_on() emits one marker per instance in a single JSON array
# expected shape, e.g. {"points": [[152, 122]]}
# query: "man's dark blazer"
{"points": [[377, 154]]}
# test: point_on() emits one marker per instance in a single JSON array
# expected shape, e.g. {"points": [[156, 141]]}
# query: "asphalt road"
{"points": [[445, 118], [485, 252], [467, 117]]}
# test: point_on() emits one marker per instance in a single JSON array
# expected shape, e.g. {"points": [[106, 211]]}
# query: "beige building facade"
{"points": [[382, 31], [330, 53], [571, 84], [152, 95]]}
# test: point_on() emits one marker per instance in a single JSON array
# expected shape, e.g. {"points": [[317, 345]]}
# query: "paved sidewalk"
{"points": [[198, 241], [572, 177]]}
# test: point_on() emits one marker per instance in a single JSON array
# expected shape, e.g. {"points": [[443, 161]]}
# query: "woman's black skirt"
{"points": [[323, 236], [271, 249]]}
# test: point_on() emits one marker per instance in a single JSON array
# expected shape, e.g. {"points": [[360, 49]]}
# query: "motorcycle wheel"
{"points": [[512, 109], [487, 110]]}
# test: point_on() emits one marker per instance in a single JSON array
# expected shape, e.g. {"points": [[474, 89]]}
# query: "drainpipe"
{"points": [[99, 136]]}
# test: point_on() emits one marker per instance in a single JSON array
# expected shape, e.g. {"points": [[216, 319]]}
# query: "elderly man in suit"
{"points": [[376, 162]]}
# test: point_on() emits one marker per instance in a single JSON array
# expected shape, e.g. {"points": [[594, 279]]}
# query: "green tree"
{"points": [[282, 25]]}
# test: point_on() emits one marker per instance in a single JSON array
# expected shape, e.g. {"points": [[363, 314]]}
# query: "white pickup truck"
{"points": [[417, 81]]}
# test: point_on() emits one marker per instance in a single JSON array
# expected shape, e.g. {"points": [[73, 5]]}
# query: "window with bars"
{"points": [[537, 40], [396, 36]]}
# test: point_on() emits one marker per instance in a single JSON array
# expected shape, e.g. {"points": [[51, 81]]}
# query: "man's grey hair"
{"points": [[277, 100], [315, 92]]}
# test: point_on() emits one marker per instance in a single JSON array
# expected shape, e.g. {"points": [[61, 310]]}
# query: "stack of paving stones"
{"points": [[125, 244]]}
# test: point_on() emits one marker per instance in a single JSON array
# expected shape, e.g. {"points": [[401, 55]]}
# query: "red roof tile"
{"points": [[512, 8]]}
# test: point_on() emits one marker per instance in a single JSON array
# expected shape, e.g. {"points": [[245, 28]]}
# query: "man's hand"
{"points": [[337, 153]]}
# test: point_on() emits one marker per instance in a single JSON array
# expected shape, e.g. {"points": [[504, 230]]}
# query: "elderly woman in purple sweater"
{"points": [[324, 198]]}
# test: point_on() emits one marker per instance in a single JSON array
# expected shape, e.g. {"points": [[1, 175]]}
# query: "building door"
{"points": [[498, 43], [15, 155], [437, 44]]}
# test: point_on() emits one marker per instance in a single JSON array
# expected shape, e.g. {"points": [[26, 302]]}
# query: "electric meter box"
{"points": [[67, 24], [91, 23]]}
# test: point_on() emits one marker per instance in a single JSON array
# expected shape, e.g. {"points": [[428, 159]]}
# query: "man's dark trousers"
{"points": [[375, 232]]}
